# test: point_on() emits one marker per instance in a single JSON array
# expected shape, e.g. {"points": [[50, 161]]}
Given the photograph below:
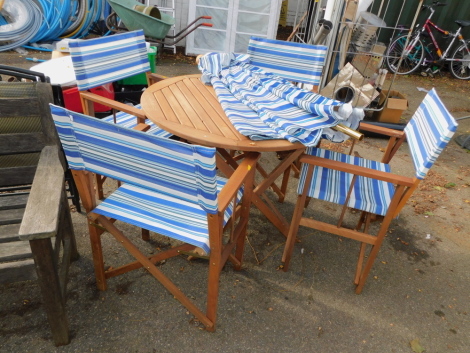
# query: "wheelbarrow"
{"points": [[155, 25]]}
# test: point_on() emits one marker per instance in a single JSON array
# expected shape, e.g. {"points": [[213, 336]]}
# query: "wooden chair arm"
{"points": [[41, 216], [228, 192], [113, 104], [380, 130], [357, 170]]}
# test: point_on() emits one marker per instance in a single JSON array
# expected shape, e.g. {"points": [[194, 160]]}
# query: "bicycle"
{"points": [[417, 53]]}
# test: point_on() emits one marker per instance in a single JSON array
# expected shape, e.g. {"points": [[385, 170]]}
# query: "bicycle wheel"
{"points": [[460, 68], [410, 62]]}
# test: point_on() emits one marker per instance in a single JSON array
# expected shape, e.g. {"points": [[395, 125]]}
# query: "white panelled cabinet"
{"points": [[234, 22]]}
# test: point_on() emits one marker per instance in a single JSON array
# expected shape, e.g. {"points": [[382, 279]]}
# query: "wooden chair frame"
{"points": [[405, 186], [225, 239], [219, 253]]}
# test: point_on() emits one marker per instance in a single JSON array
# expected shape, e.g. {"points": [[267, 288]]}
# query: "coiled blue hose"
{"points": [[55, 21], [49, 20], [24, 28]]}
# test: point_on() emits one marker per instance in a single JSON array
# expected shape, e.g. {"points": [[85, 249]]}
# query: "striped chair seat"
{"points": [[130, 121], [368, 195], [162, 213]]}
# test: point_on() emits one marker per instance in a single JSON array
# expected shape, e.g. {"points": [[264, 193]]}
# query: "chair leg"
{"points": [[213, 288], [48, 278], [239, 250], [99, 181], [285, 182], [98, 260], [363, 220], [372, 255], [145, 234], [294, 228], [360, 261]]}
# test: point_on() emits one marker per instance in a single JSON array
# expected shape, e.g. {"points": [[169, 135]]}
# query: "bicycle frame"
{"points": [[428, 25]]}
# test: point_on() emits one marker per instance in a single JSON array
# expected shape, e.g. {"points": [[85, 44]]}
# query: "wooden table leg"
{"points": [[227, 165]]}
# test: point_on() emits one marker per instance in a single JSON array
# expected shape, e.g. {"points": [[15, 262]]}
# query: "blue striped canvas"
{"points": [[130, 121], [428, 132], [368, 195], [262, 105], [110, 58], [296, 62], [169, 186]]}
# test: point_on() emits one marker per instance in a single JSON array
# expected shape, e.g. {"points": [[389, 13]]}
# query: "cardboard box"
{"points": [[393, 107]]}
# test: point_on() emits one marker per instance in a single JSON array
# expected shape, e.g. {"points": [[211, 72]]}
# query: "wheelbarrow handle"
{"points": [[205, 17], [179, 36], [186, 29]]}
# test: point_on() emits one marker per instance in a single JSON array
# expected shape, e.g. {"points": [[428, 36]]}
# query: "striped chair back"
{"points": [[296, 62], [428, 132], [107, 59], [160, 164]]}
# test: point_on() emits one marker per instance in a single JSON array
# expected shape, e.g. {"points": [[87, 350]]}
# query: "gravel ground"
{"points": [[416, 298]]}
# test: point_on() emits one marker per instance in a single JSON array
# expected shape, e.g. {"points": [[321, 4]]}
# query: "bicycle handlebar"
{"points": [[434, 4]]}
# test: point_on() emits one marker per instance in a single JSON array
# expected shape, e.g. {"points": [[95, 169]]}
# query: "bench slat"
{"points": [[11, 201], [11, 216], [23, 270], [9, 232], [16, 250]]}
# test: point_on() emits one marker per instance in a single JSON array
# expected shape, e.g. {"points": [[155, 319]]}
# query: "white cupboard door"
{"points": [[233, 23]]}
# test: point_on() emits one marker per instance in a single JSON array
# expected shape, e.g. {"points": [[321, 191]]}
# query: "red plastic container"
{"points": [[72, 98]]}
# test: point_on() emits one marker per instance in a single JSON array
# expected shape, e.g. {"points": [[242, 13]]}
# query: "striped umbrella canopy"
{"points": [[263, 106]]}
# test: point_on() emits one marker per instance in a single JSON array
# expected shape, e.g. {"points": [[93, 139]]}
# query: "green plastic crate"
{"points": [[141, 79]]}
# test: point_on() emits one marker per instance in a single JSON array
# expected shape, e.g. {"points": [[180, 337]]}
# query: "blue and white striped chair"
{"points": [[105, 60], [370, 186], [169, 187], [108, 59], [296, 62]]}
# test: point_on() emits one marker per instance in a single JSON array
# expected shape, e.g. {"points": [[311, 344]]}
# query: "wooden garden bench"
{"points": [[36, 232]]}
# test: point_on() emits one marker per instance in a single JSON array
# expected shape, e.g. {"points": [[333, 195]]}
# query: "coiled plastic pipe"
{"points": [[25, 21]]}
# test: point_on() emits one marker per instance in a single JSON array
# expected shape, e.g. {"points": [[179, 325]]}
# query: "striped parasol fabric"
{"points": [[263, 105]]}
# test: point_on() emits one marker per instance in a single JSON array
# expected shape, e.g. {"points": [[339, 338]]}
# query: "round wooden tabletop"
{"points": [[189, 109]]}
